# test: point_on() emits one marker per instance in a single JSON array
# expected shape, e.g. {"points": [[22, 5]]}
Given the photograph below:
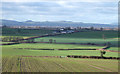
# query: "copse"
{"points": [[50, 40], [12, 39]]}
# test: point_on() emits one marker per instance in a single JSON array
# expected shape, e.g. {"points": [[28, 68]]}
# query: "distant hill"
{"points": [[54, 23]]}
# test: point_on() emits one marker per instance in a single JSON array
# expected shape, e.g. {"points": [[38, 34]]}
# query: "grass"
{"points": [[91, 34], [114, 42], [51, 46], [36, 64], [86, 37], [5, 42], [9, 50], [13, 62]]}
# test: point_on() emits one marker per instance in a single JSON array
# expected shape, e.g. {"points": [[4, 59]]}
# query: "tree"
{"points": [[92, 28], [30, 40], [102, 53], [101, 29], [50, 40]]}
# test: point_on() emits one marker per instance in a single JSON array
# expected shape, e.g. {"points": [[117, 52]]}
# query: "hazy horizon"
{"points": [[87, 12]]}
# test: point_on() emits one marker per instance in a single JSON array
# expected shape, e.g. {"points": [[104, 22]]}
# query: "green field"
{"points": [[36, 64], [91, 34], [5, 42], [85, 37], [13, 50], [12, 60], [114, 42]]}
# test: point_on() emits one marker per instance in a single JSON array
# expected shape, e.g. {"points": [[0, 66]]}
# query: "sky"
{"points": [[89, 11]]}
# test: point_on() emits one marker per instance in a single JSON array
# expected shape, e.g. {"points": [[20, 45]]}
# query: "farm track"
{"points": [[110, 51], [105, 49]]}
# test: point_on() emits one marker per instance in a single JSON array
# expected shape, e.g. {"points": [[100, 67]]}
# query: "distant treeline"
{"points": [[24, 32]]}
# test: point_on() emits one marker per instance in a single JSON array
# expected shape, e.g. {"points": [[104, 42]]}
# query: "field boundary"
{"points": [[92, 44], [51, 49], [93, 57], [76, 56], [67, 49]]}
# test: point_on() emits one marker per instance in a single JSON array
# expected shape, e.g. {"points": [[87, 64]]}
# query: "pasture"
{"points": [[97, 37], [21, 49], [92, 34], [114, 42]]}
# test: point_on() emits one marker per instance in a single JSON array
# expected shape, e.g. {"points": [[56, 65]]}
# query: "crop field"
{"points": [[38, 64], [13, 59]]}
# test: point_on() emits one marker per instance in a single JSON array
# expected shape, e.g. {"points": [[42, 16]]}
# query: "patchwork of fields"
{"points": [[12, 60]]}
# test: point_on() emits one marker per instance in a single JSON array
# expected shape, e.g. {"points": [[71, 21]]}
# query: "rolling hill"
{"points": [[54, 23]]}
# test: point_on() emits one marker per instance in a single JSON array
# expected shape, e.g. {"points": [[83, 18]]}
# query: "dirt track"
{"points": [[105, 49]]}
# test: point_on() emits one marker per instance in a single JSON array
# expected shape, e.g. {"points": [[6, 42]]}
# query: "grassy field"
{"points": [[91, 34], [36, 64], [5, 42], [13, 50], [114, 42], [12, 60], [86, 37]]}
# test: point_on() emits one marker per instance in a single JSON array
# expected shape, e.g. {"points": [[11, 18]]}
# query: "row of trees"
{"points": [[12, 39], [50, 40], [16, 39]]}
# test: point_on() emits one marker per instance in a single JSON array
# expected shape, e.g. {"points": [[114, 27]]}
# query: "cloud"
{"points": [[98, 12], [60, 0]]}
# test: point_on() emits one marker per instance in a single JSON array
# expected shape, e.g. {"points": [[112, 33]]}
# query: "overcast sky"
{"points": [[77, 11]]}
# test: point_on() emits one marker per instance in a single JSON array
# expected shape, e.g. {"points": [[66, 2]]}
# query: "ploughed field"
{"points": [[39, 64]]}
